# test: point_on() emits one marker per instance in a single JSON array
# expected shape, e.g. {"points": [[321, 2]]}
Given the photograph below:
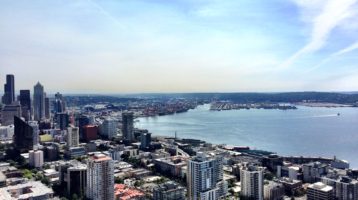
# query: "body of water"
{"points": [[306, 131]]}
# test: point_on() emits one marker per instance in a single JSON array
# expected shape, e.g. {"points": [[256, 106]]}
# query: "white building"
{"points": [[100, 177], [109, 128], [205, 177], [319, 191], [73, 137], [6, 132], [274, 191], [36, 158], [252, 182], [344, 187]]}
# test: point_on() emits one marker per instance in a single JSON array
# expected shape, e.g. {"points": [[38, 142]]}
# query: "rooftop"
{"points": [[321, 186], [26, 190]]}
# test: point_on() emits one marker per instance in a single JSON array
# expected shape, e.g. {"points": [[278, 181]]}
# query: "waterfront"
{"points": [[308, 131]]}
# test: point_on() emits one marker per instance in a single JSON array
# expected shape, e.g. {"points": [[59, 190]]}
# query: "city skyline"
{"points": [[180, 46]]}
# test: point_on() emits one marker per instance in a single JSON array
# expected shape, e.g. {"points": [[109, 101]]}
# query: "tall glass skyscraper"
{"points": [[39, 102], [9, 90]]}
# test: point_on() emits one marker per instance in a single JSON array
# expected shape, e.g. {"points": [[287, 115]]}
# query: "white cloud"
{"points": [[348, 49], [331, 15]]}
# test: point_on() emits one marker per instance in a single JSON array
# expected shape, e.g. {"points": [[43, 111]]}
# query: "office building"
{"points": [[35, 132], [205, 177], [9, 112], [47, 108], [39, 102], [312, 172], [169, 191], [319, 191], [23, 135], [62, 121], [100, 178], [25, 102], [90, 133], [344, 187], [36, 158], [145, 141], [108, 128], [81, 121], [75, 152], [9, 90], [252, 182], [59, 103], [76, 178], [72, 137], [127, 126]]}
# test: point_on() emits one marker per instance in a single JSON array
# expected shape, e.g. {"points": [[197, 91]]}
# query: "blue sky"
{"points": [[125, 46]]}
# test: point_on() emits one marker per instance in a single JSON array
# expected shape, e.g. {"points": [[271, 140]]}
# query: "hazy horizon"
{"points": [[158, 46]]}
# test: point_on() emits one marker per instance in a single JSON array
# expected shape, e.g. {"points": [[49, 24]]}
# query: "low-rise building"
{"points": [[123, 192], [319, 191], [169, 191], [172, 165], [26, 191]]}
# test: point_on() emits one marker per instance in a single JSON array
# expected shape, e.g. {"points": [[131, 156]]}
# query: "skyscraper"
{"points": [[100, 178], [35, 132], [8, 113], [25, 101], [72, 136], [23, 135], [47, 108], [9, 90], [127, 126], [252, 182], [59, 103], [39, 102], [205, 177], [145, 140], [62, 120], [109, 128]]}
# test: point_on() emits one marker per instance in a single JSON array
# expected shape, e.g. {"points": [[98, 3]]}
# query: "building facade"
{"points": [[100, 178], [205, 178], [252, 182]]}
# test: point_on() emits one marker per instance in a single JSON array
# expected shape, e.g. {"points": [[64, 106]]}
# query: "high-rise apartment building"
{"points": [[127, 126], [9, 90], [36, 158], [344, 187], [205, 177], [100, 179], [39, 102], [252, 182]]}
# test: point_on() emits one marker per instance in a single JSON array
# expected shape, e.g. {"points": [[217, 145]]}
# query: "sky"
{"points": [[134, 46]]}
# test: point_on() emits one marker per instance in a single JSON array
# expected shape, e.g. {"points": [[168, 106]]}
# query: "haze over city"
{"points": [[89, 46]]}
